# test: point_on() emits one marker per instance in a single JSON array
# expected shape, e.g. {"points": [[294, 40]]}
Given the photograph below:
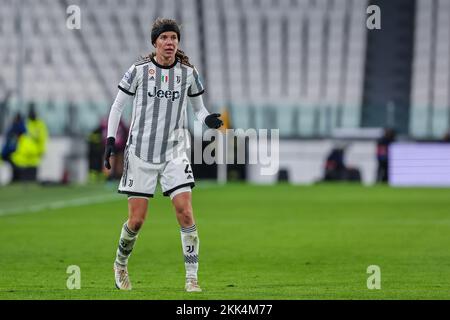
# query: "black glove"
{"points": [[109, 151], [213, 121]]}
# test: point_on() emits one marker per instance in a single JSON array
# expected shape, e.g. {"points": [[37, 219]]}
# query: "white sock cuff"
{"points": [[190, 229], [128, 231]]}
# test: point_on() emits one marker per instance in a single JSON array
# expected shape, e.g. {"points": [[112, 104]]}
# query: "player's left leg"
{"points": [[177, 181], [182, 202]]}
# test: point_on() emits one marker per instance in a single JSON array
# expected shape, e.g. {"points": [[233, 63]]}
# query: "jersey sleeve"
{"points": [[196, 87], [128, 83]]}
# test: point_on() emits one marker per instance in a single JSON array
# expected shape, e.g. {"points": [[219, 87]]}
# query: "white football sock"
{"points": [[190, 243], [126, 244]]}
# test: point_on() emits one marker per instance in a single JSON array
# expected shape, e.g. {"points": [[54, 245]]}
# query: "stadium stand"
{"points": [[296, 65], [431, 70], [267, 60]]}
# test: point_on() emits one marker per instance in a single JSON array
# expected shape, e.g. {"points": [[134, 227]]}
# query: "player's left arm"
{"points": [[211, 120], [195, 92]]}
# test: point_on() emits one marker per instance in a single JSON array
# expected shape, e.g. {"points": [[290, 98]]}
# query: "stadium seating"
{"points": [[300, 61], [430, 94]]}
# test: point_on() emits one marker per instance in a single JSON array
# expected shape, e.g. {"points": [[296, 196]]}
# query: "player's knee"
{"points": [[135, 223], [137, 213], [137, 218], [185, 216]]}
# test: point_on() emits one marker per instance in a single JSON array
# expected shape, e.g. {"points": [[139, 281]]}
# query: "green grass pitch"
{"points": [[256, 242]]}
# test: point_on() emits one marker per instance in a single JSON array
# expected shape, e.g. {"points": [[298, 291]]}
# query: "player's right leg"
{"points": [[137, 212], [139, 183]]}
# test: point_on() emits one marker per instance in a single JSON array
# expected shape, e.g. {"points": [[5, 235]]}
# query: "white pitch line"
{"points": [[78, 202], [61, 204]]}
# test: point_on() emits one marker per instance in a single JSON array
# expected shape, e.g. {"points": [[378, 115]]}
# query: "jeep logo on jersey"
{"points": [[169, 94]]}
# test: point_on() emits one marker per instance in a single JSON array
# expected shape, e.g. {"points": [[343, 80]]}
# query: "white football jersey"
{"points": [[160, 100]]}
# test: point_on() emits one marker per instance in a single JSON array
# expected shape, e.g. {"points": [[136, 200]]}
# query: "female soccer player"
{"points": [[160, 84]]}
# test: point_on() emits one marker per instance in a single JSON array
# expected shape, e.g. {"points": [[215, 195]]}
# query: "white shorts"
{"points": [[140, 177]]}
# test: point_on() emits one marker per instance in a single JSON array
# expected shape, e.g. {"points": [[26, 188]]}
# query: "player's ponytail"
{"points": [[183, 58]]}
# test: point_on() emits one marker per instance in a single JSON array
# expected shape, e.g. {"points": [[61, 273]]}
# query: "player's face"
{"points": [[167, 44]]}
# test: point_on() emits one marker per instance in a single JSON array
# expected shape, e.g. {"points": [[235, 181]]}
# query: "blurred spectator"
{"points": [[383, 154], [12, 136], [446, 137], [95, 155], [31, 147], [121, 142], [335, 168]]}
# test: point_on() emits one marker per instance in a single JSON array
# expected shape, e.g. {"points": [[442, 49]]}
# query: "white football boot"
{"points": [[192, 285], [121, 277]]}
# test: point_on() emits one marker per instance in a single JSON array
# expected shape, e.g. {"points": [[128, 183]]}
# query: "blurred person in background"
{"points": [[446, 137], [156, 147], [13, 134], [383, 154], [95, 153], [334, 165], [31, 147], [96, 149], [116, 170], [336, 169]]}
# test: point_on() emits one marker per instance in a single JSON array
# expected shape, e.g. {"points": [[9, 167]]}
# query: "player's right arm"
{"points": [[127, 89]]}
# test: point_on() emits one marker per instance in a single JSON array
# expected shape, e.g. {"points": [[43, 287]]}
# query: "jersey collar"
{"points": [[164, 67]]}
